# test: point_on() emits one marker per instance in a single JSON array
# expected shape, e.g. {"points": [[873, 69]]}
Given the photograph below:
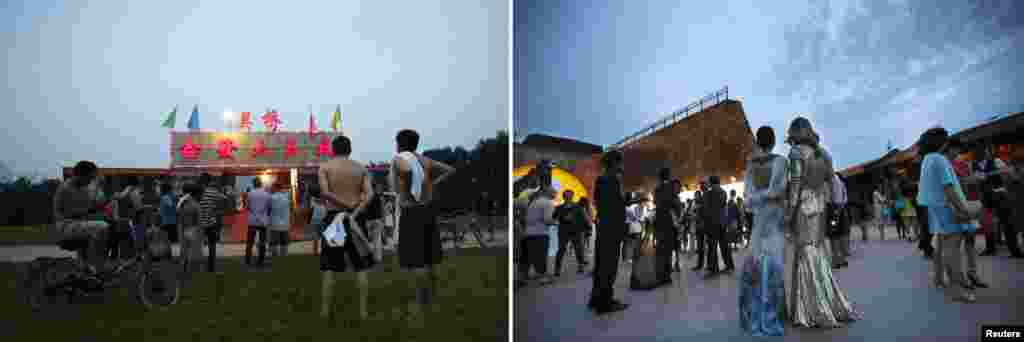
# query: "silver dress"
{"points": [[815, 298]]}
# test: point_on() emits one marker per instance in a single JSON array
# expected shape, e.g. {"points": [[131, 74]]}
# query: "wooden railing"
{"points": [[694, 107]]}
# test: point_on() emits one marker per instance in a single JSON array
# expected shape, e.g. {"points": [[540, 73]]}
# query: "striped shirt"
{"points": [[211, 207]]}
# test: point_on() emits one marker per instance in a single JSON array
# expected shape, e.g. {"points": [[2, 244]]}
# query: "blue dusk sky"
{"points": [[864, 72], [93, 79]]}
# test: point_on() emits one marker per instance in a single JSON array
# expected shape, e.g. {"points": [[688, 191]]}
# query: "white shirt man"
{"points": [[259, 219]]}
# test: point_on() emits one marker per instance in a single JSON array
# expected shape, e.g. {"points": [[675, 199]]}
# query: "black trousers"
{"points": [[901, 229], [262, 249], [119, 240], [606, 267], [924, 242], [1009, 231], [717, 242], [702, 244], [172, 232], [564, 238], [212, 236], [665, 234], [535, 252]]}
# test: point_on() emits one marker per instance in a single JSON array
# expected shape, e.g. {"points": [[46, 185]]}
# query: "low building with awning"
{"points": [[1001, 132]]}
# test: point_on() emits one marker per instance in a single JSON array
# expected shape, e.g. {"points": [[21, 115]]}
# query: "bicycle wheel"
{"points": [[159, 284], [40, 284]]}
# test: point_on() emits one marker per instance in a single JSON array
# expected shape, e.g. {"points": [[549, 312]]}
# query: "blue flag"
{"points": [[193, 121]]}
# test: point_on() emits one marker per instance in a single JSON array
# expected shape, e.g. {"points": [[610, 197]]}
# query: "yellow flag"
{"points": [[336, 119]]}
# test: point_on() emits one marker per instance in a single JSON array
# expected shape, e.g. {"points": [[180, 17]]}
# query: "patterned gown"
{"points": [[815, 297], [762, 290]]}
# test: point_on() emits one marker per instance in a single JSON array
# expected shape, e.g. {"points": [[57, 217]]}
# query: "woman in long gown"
{"points": [[762, 290], [815, 297]]}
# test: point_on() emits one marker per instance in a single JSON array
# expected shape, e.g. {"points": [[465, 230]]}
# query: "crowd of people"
{"points": [[788, 218], [346, 200], [795, 217]]}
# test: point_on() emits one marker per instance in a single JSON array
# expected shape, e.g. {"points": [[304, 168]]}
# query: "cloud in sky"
{"points": [[92, 80], [865, 72]]}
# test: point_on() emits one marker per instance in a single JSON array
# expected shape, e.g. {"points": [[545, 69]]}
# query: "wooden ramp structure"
{"points": [[710, 137]]}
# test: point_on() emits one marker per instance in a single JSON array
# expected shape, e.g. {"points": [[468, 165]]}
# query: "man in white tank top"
{"points": [[413, 178]]}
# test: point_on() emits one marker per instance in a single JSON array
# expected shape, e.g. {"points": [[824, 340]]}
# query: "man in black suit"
{"points": [[714, 204], [571, 224], [611, 229], [699, 227], [668, 206]]}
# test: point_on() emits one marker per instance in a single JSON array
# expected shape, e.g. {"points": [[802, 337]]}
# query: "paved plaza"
{"points": [[886, 280]]}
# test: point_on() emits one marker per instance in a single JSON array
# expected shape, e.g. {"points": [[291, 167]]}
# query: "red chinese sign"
{"points": [[226, 148], [291, 149], [1003, 152], [259, 149], [324, 148], [271, 120], [190, 150], [246, 121]]}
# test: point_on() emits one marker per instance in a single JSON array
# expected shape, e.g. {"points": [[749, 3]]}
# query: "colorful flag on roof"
{"points": [[312, 124], [246, 121], [336, 119], [193, 121], [171, 118]]}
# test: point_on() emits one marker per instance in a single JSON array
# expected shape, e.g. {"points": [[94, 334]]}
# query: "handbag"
{"points": [[335, 233], [644, 274]]}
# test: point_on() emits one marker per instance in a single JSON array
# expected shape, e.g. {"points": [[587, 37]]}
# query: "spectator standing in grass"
{"points": [[258, 206], [345, 187], [414, 179], [212, 207], [168, 214], [280, 219], [189, 229]]}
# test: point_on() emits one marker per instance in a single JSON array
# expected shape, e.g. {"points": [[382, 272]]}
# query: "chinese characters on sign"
{"points": [[190, 150], [324, 148], [226, 148], [259, 149], [271, 120], [291, 148]]}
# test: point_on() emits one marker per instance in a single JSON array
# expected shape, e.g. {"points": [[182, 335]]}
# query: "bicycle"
{"points": [[155, 276]]}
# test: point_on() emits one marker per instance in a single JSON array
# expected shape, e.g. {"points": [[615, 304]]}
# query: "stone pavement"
{"points": [[887, 280], [29, 252]]}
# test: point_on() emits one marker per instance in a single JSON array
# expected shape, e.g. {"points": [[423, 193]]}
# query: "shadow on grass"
{"points": [[282, 303]]}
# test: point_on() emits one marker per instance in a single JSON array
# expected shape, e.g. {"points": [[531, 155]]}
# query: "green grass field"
{"points": [[282, 304], [25, 235]]}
